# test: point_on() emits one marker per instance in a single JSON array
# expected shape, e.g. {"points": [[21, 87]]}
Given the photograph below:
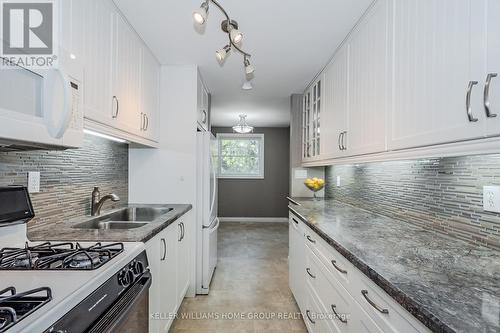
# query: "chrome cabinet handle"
{"points": [[296, 222], [310, 239], [164, 243], [204, 119], [467, 101], [183, 230], [338, 141], [308, 270], [146, 122], [378, 308], [334, 263], [344, 146], [341, 318], [115, 114], [309, 317], [487, 95]]}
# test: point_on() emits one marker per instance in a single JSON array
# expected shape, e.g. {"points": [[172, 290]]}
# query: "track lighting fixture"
{"points": [[200, 15], [222, 54], [230, 27]]}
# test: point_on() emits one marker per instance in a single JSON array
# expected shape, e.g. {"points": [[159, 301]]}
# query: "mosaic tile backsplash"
{"points": [[443, 194], [68, 177]]}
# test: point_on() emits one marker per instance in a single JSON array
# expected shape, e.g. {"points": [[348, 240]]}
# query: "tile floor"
{"points": [[251, 278]]}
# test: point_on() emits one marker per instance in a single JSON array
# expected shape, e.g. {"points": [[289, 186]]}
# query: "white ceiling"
{"points": [[290, 41]]}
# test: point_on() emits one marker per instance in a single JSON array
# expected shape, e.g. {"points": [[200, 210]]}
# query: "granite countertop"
{"points": [[65, 231], [448, 284]]}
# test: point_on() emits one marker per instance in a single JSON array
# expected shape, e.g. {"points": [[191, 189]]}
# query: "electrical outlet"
{"points": [[491, 199], [34, 181], [338, 181]]}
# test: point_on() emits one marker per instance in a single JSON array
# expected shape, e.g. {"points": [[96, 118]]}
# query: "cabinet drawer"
{"points": [[334, 300], [384, 311], [295, 222], [336, 264], [314, 316]]}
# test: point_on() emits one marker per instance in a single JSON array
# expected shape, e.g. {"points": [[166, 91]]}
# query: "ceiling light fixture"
{"points": [[249, 69], [243, 127], [200, 15], [222, 54], [247, 85], [230, 27]]}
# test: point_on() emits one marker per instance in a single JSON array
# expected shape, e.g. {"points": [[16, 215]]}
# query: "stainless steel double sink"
{"points": [[125, 218]]}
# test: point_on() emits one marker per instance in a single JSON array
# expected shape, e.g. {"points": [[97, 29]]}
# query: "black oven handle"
{"points": [[118, 313]]}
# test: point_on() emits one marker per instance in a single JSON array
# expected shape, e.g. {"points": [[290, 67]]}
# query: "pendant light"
{"points": [[242, 127], [230, 27]]}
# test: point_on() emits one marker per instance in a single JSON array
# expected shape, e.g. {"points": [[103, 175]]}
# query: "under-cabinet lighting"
{"points": [[104, 136]]}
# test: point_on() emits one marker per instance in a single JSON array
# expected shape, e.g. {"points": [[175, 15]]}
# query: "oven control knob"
{"points": [[126, 277], [137, 267]]}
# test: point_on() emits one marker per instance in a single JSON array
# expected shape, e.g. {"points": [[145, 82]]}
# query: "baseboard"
{"points": [[254, 219]]}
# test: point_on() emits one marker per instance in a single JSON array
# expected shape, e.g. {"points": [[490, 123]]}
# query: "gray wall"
{"points": [[68, 177], [441, 194], [260, 197]]}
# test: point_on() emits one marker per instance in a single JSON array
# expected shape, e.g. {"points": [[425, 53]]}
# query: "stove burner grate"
{"points": [[61, 256], [17, 306]]}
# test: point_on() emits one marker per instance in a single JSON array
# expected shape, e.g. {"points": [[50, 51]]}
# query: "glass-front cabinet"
{"points": [[311, 122]]}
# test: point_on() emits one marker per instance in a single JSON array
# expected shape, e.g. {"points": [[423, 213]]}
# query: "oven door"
{"points": [[130, 313]]}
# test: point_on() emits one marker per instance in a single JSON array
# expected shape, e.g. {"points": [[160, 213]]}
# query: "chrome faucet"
{"points": [[97, 202]]}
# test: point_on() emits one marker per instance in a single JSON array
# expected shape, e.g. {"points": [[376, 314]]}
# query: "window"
{"points": [[241, 155]]}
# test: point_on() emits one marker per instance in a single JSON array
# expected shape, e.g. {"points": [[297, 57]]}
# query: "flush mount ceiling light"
{"points": [[243, 127], [230, 27]]}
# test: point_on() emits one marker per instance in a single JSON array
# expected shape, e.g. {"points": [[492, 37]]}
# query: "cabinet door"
{"points": [[183, 260], [315, 121], [150, 97], [492, 76], [202, 106], [434, 62], [306, 123], [126, 77], [369, 82], [88, 38], [168, 275], [335, 104], [296, 262], [154, 251]]}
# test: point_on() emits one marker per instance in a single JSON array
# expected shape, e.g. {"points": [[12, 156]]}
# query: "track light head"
{"points": [[231, 27], [249, 69], [200, 15], [222, 54]]}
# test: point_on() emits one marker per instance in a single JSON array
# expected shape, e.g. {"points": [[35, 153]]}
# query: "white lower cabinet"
{"points": [[170, 271], [296, 260], [335, 296]]}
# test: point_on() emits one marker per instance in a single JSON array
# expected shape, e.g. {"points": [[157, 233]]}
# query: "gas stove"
{"points": [[66, 286], [15, 306], [58, 256]]}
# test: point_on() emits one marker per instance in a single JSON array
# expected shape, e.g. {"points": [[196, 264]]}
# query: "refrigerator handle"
{"points": [[212, 170]]}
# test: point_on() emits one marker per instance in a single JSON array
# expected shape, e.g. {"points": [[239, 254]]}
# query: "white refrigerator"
{"points": [[207, 221]]}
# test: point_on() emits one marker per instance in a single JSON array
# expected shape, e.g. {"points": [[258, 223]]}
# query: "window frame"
{"points": [[259, 136]]}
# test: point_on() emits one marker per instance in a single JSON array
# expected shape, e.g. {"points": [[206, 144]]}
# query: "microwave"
{"points": [[41, 109]]}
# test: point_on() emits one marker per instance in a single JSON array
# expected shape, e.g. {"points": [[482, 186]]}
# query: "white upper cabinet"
{"points": [[437, 88], [311, 121], [121, 77], [203, 114], [88, 37], [335, 111], [369, 81], [491, 78], [150, 107], [126, 77]]}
